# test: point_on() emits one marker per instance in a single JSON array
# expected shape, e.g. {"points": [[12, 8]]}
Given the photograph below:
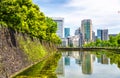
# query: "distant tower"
{"points": [[102, 34], [77, 31], [86, 29], [67, 32], [60, 22], [105, 35], [93, 36], [79, 34], [99, 34]]}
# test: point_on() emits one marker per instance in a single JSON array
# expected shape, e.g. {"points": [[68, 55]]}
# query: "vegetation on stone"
{"points": [[33, 50]]}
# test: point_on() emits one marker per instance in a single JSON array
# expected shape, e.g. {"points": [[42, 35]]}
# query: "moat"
{"points": [[77, 64]]}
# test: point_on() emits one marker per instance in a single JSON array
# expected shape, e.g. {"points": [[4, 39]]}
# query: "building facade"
{"points": [[102, 34], [67, 32], [78, 31], [76, 41], [60, 26], [86, 29], [99, 34], [93, 36], [105, 35]]}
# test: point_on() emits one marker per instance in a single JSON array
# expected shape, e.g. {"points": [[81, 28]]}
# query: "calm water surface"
{"points": [[90, 65], [75, 64]]}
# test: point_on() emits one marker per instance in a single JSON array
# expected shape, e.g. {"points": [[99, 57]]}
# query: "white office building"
{"points": [[60, 23]]}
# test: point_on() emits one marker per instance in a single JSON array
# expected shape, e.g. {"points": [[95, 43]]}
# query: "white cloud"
{"points": [[103, 13]]}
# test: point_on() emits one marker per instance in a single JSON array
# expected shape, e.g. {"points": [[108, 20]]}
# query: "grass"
{"points": [[33, 49]]}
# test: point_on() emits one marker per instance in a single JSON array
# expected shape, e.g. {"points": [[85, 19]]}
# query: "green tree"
{"points": [[26, 17], [113, 41], [118, 40], [98, 43]]}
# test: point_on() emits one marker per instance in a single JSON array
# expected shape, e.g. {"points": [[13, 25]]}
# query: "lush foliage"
{"points": [[33, 50], [26, 17], [112, 42]]}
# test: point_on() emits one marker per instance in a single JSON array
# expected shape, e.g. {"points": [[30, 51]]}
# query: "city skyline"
{"points": [[103, 13]]}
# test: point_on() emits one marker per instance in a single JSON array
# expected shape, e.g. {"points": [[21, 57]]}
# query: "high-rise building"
{"points": [[102, 34], [99, 34], [67, 32], [86, 29], [105, 35], [80, 37], [60, 22], [93, 36], [77, 31]]}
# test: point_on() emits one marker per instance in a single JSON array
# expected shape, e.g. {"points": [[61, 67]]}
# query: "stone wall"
{"points": [[12, 58]]}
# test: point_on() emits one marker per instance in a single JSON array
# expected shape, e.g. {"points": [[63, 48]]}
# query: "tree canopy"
{"points": [[26, 17], [112, 42]]}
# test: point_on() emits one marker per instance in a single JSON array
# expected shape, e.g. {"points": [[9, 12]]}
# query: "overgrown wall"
{"points": [[18, 51]]}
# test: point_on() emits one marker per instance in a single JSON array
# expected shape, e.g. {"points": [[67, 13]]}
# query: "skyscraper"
{"points": [[77, 31], [80, 36], [99, 34], [60, 22], [105, 34], [102, 34], [86, 29], [93, 36], [67, 32]]}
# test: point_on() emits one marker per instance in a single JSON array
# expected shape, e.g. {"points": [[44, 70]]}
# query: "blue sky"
{"points": [[105, 14]]}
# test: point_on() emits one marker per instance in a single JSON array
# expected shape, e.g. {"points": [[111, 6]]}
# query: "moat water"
{"points": [[77, 64]]}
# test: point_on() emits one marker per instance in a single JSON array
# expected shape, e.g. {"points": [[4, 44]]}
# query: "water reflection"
{"points": [[87, 66], [76, 64], [91, 64], [67, 61]]}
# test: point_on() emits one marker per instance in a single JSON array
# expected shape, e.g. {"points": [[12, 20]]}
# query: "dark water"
{"points": [[75, 64]]}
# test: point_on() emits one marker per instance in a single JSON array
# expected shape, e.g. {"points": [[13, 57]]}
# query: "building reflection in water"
{"points": [[82, 60], [67, 61], [104, 59], [79, 58], [87, 65], [60, 69]]}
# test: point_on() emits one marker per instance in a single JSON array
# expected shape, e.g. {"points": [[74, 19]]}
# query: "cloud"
{"points": [[103, 13]]}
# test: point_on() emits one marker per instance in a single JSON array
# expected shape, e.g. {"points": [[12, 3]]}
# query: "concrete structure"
{"points": [[93, 36], [78, 31], [67, 32], [60, 22], [64, 42], [102, 34], [76, 41], [99, 34], [105, 34], [86, 29]]}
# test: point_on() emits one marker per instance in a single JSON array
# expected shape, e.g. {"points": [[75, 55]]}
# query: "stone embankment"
{"points": [[12, 58]]}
